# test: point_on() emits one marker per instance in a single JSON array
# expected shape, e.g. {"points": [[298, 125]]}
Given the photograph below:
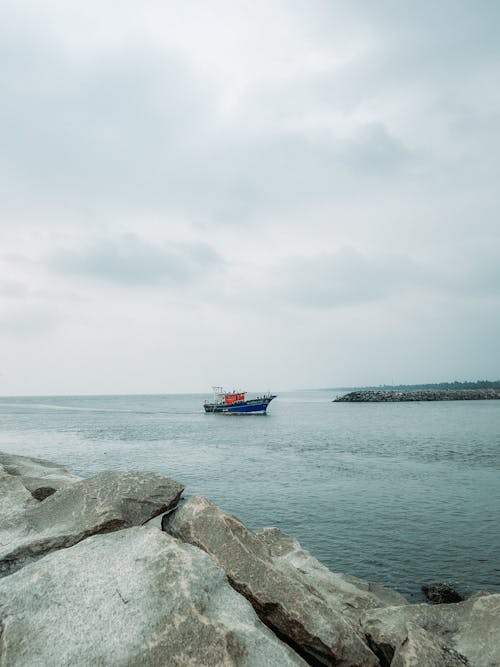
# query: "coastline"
{"points": [[201, 589], [395, 396]]}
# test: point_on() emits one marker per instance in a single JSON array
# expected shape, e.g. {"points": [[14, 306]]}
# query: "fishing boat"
{"points": [[236, 402]]}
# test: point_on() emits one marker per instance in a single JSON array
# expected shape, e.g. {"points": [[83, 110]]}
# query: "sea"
{"points": [[402, 494]]}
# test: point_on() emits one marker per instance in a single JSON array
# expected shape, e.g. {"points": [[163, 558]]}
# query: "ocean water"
{"points": [[398, 493]]}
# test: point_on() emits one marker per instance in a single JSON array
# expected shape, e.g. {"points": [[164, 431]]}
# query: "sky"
{"points": [[265, 195]]}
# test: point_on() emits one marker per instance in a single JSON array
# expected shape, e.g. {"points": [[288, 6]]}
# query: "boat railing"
{"points": [[220, 396]]}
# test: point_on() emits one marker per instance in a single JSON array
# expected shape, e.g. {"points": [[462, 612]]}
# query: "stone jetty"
{"points": [[394, 396], [88, 576]]}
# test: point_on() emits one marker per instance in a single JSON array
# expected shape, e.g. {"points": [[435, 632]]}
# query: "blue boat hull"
{"points": [[253, 406]]}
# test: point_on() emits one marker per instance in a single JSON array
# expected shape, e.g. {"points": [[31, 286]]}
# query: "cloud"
{"points": [[145, 128], [349, 277], [470, 276], [346, 277], [29, 320], [374, 148], [110, 132], [248, 168], [128, 259], [12, 289]]}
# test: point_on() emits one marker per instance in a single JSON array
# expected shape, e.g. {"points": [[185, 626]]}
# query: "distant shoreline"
{"points": [[436, 386], [384, 396]]}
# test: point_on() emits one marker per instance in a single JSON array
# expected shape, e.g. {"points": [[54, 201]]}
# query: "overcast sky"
{"points": [[264, 194]]}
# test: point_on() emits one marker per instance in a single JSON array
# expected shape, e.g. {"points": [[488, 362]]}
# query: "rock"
{"points": [[100, 504], [470, 628], [422, 649], [134, 597], [40, 477], [287, 605], [391, 396], [441, 593], [347, 595], [42, 492], [14, 497]]}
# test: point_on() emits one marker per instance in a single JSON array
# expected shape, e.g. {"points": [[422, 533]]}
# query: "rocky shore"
{"points": [[87, 577], [388, 396]]}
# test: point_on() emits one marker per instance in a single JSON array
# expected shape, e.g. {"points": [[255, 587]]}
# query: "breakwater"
{"points": [[394, 396], [86, 577]]}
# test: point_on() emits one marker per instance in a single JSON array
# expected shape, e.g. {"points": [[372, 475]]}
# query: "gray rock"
{"points": [[390, 396], [40, 477], [284, 603], [14, 497], [347, 595], [423, 649], [134, 597], [100, 504], [471, 628]]}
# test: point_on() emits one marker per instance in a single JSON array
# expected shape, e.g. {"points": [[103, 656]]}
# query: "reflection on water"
{"points": [[400, 493]]}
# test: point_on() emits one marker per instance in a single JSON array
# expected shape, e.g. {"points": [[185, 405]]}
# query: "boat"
{"points": [[236, 402]]}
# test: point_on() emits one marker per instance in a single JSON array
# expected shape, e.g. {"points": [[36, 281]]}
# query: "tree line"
{"points": [[439, 386]]}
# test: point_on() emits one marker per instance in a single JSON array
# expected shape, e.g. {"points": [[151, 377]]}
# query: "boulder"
{"points": [[42, 478], [100, 504], [287, 605], [346, 594], [441, 593], [14, 497], [469, 628], [133, 597], [423, 649]]}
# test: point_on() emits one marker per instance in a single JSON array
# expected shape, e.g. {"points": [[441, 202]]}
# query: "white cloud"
{"points": [[129, 259], [177, 178]]}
